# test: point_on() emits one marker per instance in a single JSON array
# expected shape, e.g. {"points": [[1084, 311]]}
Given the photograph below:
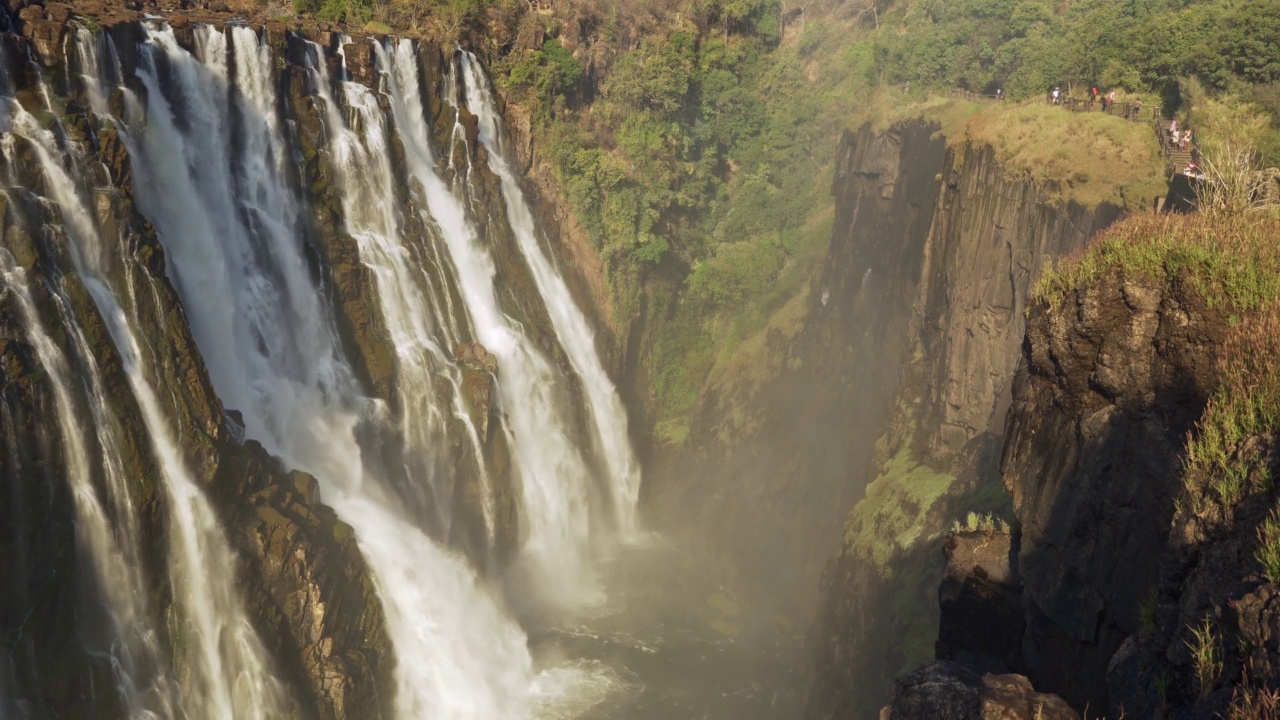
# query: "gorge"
{"points": [[322, 396]]}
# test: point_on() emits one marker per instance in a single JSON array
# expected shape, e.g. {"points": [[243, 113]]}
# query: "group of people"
{"points": [[1106, 100], [1056, 97]]}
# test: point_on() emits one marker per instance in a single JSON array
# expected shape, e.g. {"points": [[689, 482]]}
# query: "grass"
{"points": [[1086, 157], [1206, 655], [981, 522], [1220, 465], [1268, 551], [1232, 263], [891, 516]]}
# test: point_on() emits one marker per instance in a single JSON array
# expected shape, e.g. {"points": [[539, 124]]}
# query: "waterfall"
{"points": [[261, 324], [227, 671], [554, 475], [609, 418], [115, 560], [213, 172]]}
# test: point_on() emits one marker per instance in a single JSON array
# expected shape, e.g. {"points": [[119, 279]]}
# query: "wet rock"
{"points": [[949, 691], [308, 585], [361, 66]]}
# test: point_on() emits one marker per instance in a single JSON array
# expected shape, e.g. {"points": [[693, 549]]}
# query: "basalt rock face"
{"points": [[777, 444], [1114, 378], [980, 601], [963, 250]]}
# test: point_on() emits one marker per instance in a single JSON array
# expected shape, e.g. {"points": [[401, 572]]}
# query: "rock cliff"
{"points": [[970, 244], [1139, 451]]}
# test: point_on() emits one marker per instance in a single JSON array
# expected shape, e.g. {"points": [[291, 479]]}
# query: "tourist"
{"points": [[1173, 129], [999, 94], [1057, 96]]}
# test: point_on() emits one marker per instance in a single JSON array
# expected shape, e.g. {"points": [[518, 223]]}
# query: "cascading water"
{"points": [[609, 418], [212, 172], [457, 655], [225, 669], [113, 550], [554, 474]]}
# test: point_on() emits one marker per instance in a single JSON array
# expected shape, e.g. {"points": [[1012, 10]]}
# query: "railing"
{"points": [[970, 95]]}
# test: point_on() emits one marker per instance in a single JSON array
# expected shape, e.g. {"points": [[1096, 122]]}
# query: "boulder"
{"points": [[945, 690]]}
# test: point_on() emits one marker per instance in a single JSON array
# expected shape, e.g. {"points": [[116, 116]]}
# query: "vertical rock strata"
{"points": [[945, 316]]}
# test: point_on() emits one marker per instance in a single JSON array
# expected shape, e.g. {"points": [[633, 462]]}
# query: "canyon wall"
{"points": [[970, 244]]}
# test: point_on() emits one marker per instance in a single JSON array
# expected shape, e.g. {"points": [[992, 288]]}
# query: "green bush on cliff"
{"points": [[1231, 263], [892, 515]]}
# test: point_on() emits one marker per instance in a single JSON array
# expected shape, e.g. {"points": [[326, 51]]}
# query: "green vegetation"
{"points": [[981, 522], [1147, 611], [1206, 655], [1245, 405], [447, 19], [1086, 157], [1029, 46], [1268, 551], [892, 516], [1231, 263]]}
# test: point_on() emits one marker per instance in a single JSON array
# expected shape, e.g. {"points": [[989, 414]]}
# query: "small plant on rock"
{"points": [[1147, 611], [1206, 655], [1268, 551]]}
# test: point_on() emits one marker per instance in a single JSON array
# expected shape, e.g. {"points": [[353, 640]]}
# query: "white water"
{"points": [[115, 562], [554, 475], [609, 417], [233, 234], [224, 666], [273, 356]]}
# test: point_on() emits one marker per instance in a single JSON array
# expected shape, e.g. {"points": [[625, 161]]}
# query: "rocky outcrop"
{"points": [[949, 691], [1115, 377], [980, 601], [307, 585]]}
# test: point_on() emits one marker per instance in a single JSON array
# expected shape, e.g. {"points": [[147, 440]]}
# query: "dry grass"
{"points": [[1232, 263], [1089, 157], [1253, 702]]}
